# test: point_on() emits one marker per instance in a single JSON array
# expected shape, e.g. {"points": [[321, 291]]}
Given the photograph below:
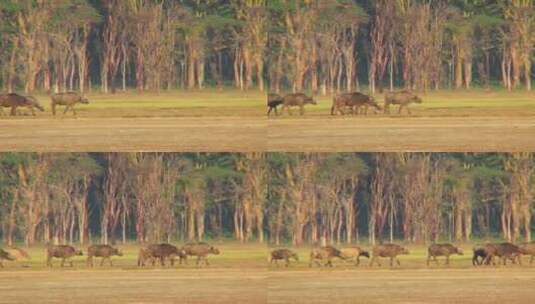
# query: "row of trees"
{"points": [[286, 197], [319, 45]]}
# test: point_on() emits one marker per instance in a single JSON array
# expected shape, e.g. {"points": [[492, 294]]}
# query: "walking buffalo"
{"points": [[4, 255], [69, 100], [401, 98], [273, 101], [445, 250], [528, 249], [354, 101], [160, 252], [102, 251], [283, 254], [296, 100], [15, 101], [354, 253], [504, 251], [63, 252], [324, 253], [201, 251], [387, 251]]}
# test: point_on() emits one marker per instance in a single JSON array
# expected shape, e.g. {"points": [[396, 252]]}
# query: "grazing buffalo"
{"points": [[354, 101], [15, 101], [354, 253], [201, 251], [102, 251], [160, 252], [401, 98], [528, 249], [445, 250], [69, 100], [296, 100], [387, 251], [63, 252], [273, 101], [504, 251], [283, 254], [4, 255], [325, 253]]}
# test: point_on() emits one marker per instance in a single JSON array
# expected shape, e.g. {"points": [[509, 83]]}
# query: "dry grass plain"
{"points": [[241, 275], [233, 121]]}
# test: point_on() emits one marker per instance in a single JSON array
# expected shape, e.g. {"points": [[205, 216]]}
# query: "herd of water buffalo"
{"points": [[486, 254], [354, 103], [15, 101], [148, 255]]}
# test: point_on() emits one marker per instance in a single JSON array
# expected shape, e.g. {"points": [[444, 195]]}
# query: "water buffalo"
{"points": [[283, 254], [296, 100], [436, 250], [201, 251], [528, 249], [480, 255], [504, 251], [273, 101], [401, 98], [324, 253], [354, 101], [15, 101], [102, 251], [144, 257], [354, 253], [63, 252], [4, 255], [160, 252], [69, 100], [387, 251]]}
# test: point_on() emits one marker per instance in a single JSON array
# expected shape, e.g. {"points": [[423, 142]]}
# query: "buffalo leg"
{"points": [[447, 260], [102, 261], [66, 109], [392, 262], [62, 262], [13, 111], [532, 258], [89, 262]]}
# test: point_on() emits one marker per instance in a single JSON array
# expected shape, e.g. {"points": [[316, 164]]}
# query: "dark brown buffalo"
{"points": [[102, 251], [273, 101], [528, 249], [69, 100], [401, 98], [324, 253], [480, 255], [160, 252], [63, 252], [15, 101], [387, 251], [4, 255], [296, 100], [445, 250], [354, 101], [504, 251], [283, 254], [201, 251], [354, 253]]}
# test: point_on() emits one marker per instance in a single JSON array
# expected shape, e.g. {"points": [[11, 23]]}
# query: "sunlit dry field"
{"points": [[446, 121], [210, 120], [241, 275], [215, 120]]}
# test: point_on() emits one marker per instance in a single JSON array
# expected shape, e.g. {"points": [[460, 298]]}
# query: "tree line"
{"points": [[297, 198], [323, 46]]}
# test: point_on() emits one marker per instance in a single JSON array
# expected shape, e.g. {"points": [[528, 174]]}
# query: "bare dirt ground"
{"points": [[447, 134], [403, 286], [178, 134], [144, 286]]}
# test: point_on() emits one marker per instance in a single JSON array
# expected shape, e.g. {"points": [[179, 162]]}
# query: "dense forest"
{"points": [[320, 46], [274, 197]]}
